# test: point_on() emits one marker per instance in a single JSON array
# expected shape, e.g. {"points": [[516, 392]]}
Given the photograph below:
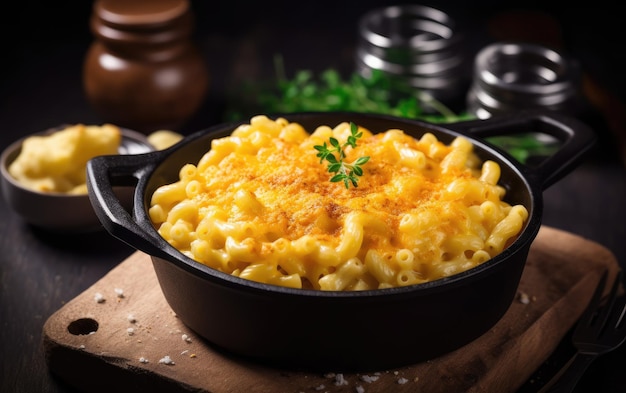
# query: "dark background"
{"points": [[43, 45], [47, 35]]}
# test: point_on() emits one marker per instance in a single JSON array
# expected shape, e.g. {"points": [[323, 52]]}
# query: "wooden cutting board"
{"points": [[118, 334]]}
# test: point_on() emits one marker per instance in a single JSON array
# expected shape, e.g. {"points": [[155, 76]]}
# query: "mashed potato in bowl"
{"points": [[43, 174], [56, 162]]}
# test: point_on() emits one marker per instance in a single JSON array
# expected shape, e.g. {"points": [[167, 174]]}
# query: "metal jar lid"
{"points": [[418, 46], [513, 76]]}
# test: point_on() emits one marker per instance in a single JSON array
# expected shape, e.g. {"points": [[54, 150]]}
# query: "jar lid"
{"points": [[510, 75], [410, 27], [141, 22], [140, 13], [417, 46]]}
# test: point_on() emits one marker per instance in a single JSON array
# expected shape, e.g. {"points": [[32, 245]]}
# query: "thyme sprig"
{"points": [[347, 172]]}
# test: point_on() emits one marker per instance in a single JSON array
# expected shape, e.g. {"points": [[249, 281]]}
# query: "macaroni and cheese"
{"points": [[259, 205], [162, 139], [57, 162]]}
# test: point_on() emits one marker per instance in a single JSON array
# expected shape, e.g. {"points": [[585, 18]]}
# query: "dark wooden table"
{"points": [[41, 87]]}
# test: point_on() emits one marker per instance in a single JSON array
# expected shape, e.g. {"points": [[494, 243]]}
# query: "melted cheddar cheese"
{"points": [[260, 205]]}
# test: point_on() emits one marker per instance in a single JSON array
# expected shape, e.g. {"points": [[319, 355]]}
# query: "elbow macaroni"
{"points": [[259, 205]]}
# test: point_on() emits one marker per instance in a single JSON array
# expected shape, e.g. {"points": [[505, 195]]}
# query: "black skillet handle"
{"points": [[103, 174], [576, 138]]}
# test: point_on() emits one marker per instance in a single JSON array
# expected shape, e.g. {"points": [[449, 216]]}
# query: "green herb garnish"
{"points": [[346, 172], [328, 92]]}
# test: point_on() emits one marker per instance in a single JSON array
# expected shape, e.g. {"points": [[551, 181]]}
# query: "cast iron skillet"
{"points": [[339, 331]]}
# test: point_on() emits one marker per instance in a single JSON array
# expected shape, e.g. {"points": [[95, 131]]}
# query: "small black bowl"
{"points": [[59, 212]]}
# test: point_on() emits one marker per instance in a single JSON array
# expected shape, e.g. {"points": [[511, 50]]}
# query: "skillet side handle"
{"points": [[106, 172], [575, 137]]}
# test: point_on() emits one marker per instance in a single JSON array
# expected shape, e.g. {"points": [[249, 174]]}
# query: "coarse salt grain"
{"points": [[402, 381], [119, 292], [130, 331], [523, 298], [131, 318], [166, 360], [186, 338], [98, 297], [369, 378], [359, 389], [143, 360], [340, 380]]}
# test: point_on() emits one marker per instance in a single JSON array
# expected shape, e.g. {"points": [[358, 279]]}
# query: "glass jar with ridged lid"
{"points": [[511, 76], [421, 49]]}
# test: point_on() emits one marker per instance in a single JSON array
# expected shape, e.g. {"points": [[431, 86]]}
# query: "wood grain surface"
{"points": [[116, 334]]}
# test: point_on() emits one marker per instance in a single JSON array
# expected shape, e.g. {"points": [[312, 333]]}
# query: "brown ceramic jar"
{"points": [[143, 71]]}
